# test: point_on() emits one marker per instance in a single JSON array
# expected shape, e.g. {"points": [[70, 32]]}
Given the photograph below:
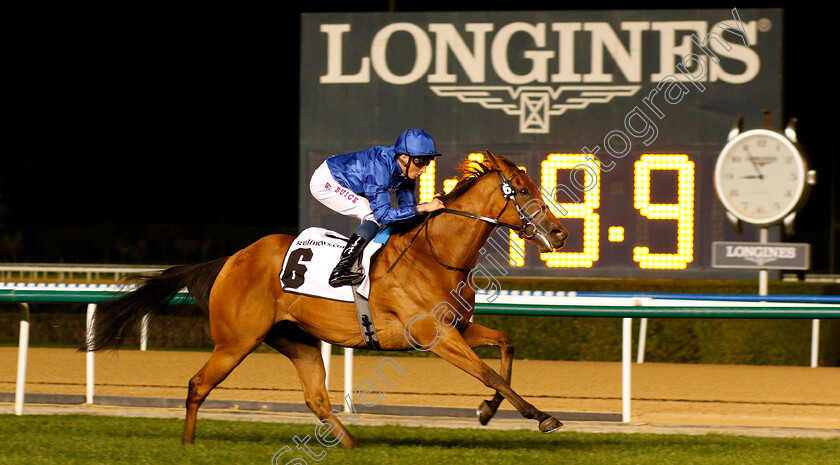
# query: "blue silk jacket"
{"points": [[375, 173]]}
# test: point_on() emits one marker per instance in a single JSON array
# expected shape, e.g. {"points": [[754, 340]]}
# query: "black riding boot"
{"points": [[343, 273]]}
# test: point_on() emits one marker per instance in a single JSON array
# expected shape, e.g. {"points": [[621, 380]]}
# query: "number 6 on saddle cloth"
{"points": [[309, 262]]}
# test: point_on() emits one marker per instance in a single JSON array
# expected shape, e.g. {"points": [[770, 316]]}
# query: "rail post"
{"points": [[640, 355], [23, 354], [626, 356], [348, 376], [89, 362], [144, 332]]}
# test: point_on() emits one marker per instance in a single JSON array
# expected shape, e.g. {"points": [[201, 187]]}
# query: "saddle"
{"points": [[311, 258]]}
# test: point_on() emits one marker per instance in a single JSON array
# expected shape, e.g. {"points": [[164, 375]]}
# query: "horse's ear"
{"points": [[491, 160], [497, 162]]}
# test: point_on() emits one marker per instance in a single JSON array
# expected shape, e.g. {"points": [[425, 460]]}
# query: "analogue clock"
{"points": [[762, 176]]}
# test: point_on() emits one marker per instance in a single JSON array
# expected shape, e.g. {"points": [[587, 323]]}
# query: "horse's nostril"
{"points": [[561, 234]]}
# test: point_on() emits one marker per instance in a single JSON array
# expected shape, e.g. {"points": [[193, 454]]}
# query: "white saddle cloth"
{"points": [[312, 257]]}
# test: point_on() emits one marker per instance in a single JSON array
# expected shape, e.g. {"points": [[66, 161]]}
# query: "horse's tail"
{"points": [[116, 318]]}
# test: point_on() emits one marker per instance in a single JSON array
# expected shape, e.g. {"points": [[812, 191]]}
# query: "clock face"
{"points": [[760, 176]]}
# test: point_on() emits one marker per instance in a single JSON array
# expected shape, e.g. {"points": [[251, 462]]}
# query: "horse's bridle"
{"points": [[509, 194]]}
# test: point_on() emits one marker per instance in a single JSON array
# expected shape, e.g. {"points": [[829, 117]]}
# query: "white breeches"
{"points": [[336, 197]]}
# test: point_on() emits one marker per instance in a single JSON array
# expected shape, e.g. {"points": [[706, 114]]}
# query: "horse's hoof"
{"points": [[485, 413], [352, 443], [550, 424]]}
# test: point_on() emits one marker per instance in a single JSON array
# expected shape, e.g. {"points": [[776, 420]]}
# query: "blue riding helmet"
{"points": [[416, 143]]}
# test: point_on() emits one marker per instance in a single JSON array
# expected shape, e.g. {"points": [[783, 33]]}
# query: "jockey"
{"points": [[359, 184]]}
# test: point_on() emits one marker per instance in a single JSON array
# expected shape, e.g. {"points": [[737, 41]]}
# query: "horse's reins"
{"points": [[510, 195], [493, 221]]}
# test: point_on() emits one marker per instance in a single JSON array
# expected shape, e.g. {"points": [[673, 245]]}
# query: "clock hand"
{"points": [[755, 165]]}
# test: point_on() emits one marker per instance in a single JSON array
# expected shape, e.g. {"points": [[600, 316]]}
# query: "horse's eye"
{"points": [[523, 191]]}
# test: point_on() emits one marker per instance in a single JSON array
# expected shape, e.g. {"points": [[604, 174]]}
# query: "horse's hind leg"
{"points": [[304, 352], [222, 361], [480, 336]]}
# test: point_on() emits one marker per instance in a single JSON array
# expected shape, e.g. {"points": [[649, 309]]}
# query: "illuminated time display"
{"points": [[641, 213]]}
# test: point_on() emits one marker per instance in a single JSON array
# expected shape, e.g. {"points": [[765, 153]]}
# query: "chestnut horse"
{"points": [[247, 306]]}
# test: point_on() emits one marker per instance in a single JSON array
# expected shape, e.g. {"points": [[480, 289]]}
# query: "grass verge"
{"points": [[83, 439]]}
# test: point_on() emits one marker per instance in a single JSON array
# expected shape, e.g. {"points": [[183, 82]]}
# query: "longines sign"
{"points": [[550, 55], [776, 256], [533, 67]]}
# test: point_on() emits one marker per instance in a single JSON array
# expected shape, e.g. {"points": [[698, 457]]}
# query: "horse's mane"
{"points": [[471, 172]]}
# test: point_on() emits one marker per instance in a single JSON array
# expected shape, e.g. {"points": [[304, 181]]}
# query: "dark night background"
{"points": [[157, 136]]}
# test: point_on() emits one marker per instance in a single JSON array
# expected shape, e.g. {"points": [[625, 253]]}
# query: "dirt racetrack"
{"points": [[672, 394]]}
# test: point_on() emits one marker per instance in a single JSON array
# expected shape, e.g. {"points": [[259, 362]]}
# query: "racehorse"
{"points": [[246, 304]]}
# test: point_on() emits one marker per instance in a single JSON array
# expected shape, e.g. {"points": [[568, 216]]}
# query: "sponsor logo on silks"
{"points": [[552, 82]]}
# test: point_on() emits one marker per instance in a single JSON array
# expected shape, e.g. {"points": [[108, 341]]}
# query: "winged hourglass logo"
{"points": [[534, 105]]}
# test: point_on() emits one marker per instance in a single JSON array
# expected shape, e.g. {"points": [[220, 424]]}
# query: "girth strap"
{"points": [[365, 320]]}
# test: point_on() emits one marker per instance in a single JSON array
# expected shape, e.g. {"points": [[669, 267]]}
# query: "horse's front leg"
{"points": [[481, 336], [450, 346]]}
